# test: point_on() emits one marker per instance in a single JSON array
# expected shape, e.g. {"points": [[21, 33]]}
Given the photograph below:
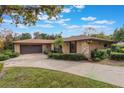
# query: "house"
{"points": [[74, 44]]}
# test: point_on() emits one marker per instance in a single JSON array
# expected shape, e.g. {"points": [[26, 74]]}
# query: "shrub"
{"points": [[1, 66], [117, 56], [7, 52], [10, 53], [55, 51], [4, 57], [14, 55], [99, 54], [122, 49], [118, 48], [108, 51], [71, 56]]}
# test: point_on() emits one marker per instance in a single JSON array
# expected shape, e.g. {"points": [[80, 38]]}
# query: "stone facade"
{"points": [[65, 48], [84, 47], [17, 48], [46, 48]]}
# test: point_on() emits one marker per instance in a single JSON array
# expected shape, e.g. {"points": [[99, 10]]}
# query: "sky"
{"points": [[74, 20]]}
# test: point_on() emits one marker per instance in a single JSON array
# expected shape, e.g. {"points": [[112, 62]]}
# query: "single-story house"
{"points": [[74, 44]]}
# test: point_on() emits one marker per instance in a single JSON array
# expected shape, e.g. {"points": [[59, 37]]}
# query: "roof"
{"points": [[34, 41], [73, 38], [81, 37], [120, 43]]}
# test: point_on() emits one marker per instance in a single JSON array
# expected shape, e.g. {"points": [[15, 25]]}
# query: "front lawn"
{"points": [[1, 66], [111, 62], [42, 78]]}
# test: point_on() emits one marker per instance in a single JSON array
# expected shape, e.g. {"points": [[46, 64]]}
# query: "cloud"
{"points": [[79, 6], [61, 16], [45, 26], [109, 22], [62, 21], [73, 26], [43, 17], [66, 10], [21, 26], [90, 18], [85, 28], [48, 21], [93, 26], [7, 21]]}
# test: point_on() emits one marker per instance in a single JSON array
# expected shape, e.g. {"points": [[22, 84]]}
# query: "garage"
{"points": [[28, 49], [30, 46]]}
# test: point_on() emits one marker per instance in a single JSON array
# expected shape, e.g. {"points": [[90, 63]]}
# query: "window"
{"points": [[105, 45]]}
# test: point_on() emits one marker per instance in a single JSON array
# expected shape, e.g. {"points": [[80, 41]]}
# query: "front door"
{"points": [[73, 46]]}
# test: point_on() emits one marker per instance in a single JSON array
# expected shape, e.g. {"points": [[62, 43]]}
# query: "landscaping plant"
{"points": [[117, 56], [4, 57], [71, 56], [99, 54], [117, 52], [6, 54]]}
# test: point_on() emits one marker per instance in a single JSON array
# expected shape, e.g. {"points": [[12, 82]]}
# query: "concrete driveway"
{"points": [[110, 74]]}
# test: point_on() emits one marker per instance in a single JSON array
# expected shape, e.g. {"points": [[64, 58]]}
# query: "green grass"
{"points": [[1, 66], [111, 62], [37, 77]]}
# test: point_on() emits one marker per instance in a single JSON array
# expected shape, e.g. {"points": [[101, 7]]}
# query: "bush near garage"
{"points": [[10, 53], [4, 57], [6, 54], [71, 56]]}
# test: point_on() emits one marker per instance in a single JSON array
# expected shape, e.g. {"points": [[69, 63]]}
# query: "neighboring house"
{"points": [[74, 44]]}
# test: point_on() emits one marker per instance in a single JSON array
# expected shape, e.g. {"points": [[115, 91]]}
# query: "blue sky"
{"points": [[74, 20]]}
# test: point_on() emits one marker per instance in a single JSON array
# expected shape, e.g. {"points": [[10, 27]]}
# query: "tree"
{"points": [[101, 35], [119, 34], [16, 37], [89, 31], [28, 15], [7, 36], [25, 36], [58, 44], [39, 35], [1, 44], [36, 35]]}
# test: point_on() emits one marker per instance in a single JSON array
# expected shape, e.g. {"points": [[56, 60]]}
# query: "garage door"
{"points": [[28, 49]]}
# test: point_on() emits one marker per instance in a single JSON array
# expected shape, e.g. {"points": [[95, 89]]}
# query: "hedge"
{"points": [[118, 48], [117, 56], [71, 56]]}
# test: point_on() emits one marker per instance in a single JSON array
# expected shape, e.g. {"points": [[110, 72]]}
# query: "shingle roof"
{"points": [[81, 37], [73, 38], [34, 41]]}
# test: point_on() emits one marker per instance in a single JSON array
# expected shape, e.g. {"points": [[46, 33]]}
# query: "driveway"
{"points": [[110, 74]]}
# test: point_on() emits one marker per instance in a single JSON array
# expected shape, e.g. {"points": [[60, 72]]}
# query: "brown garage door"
{"points": [[28, 49]]}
